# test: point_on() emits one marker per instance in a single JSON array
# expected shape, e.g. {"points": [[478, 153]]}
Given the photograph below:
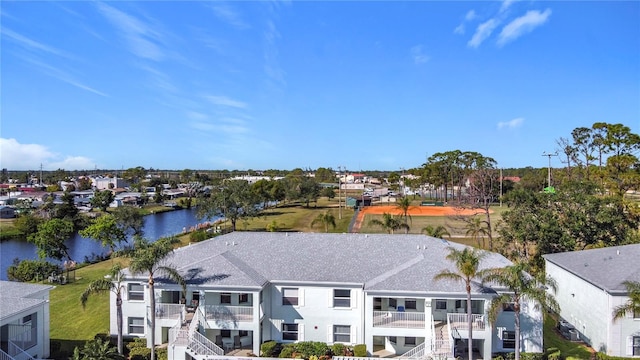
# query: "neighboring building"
{"points": [[245, 288], [106, 183], [24, 320], [590, 287], [7, 212]]}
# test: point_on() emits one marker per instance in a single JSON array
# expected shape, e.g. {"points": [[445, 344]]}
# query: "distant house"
{"points": [[7, 212], [24, 320], [589, 288]]}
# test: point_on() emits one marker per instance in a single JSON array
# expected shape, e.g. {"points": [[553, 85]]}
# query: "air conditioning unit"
{"points": [[574, 335]]}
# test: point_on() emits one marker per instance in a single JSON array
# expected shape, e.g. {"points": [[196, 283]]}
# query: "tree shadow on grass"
{"points": [[62, 349]]}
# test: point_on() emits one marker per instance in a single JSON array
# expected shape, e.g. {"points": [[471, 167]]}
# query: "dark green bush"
{"points": [[162, 354], [270, 349], [602, 356], [199, 235], [30, 270], [531, 356], [553, 354], [287, 351], [360, 350], [139, 353], [338, 349]]}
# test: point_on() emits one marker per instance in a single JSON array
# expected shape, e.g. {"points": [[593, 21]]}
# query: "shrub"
{"points": [[360, 350], [338, 349], [30, 270], [161, 354], [199, 235], [553, 354], [531, 356], [139, 353], [270, 349], [287, 351], [602, 356]]}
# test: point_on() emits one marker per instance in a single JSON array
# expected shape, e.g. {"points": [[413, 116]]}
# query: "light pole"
{"points": [[549, 155]]}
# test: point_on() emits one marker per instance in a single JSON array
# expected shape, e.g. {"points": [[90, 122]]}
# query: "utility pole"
{"points": [[339, 192], [549, 155], [500, 187]]}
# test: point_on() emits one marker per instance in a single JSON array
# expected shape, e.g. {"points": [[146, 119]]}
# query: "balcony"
{"points": [[169, 311], [228, 313], [459, 321], [399, 319]]}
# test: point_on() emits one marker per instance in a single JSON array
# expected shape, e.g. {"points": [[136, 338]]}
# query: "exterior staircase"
{"points": [[186, 335]]}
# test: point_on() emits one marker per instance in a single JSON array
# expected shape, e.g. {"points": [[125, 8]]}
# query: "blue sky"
{"points": [[279, 85]]}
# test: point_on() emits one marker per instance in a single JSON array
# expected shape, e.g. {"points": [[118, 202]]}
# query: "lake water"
{"points": [[155, 227]]}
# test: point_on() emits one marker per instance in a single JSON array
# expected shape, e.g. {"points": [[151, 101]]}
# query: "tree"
{"points": [[389, 223], [27, 224], [129, 220], [309, 190], [325, 219], [50, 239], [148, 258], [476, 229], [328, 192], [102, 199], [234, 200], [632, 306], [325, 175], [404, 205], [113, 282], [522, 287], [97, 349], [106, 230], [467, 263], [436, 232]]}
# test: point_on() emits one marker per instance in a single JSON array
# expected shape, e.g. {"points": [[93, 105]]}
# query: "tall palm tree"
{"points": [[467, 263], [522, 287], [436, 232], [404, 205], [147, 257], [632, 305], [476, 228], [389, 223], [114, 282], [325, 219]]}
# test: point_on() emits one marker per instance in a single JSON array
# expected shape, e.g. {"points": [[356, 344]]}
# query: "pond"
{"points": [[82, 249]]}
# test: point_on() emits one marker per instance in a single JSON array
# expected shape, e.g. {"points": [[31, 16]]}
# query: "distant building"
{"points": [[7, 212], [105, 183]]}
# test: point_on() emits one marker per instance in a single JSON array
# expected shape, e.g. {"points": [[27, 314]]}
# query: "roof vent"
{"points": [[418, 247], [233, 243], [618, 252], [366, 235], [424, 247], [226, 243]]}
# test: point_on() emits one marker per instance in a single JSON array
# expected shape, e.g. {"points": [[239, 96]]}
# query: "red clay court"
{"points": [[413, 211]]}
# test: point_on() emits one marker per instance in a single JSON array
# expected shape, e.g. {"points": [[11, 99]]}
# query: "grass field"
{"points": [[569, 350]]}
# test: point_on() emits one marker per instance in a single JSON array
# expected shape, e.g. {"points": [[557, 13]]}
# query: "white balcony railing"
{"points": [[459, 321], [228, 313], [399, 319], [169, 311]]}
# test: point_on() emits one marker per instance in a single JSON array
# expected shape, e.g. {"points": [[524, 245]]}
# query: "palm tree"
{"points": [[467, 263], [390, 223], [436, 232], [476, 228], [522, 286], [326, 219], [404, 205], [112, 282], [147, 257], [97, 349], [632, 305]]}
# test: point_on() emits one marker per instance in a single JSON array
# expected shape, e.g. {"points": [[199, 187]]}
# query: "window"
{"points": [[290, 332], [441, 304], [393, 339], [290, 297], [393, 302], [636, 345], [508, 307], [508, 339], [225, 298], [410, 304], [341, 298], [461, 304], [225, 333], [136, 292], [243, 298], [341, 333], [243, 333], [136, 325], [377, 303], [410, 341]]}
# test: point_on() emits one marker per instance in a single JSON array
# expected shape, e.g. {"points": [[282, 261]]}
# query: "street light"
{"points": [[549, 155]]}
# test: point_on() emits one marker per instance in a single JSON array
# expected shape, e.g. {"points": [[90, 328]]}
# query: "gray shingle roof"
{"points": [[605, 268], [14, 297], [378, 262]]}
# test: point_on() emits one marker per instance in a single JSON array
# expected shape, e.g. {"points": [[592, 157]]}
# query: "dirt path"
{"points": [[413, 211]]}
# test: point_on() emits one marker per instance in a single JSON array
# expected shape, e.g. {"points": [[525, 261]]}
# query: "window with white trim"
{"points": [[410, 341], [410, 304], [225, 333], [441, 304], [342, 298], [635, 346], [393, 303], [289, 296], [341, 333], [243, 298], [508, 339], [290, 332], [135, 292], [136, 325]]}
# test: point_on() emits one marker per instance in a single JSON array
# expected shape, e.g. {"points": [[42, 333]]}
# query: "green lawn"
{"points": [[553, 339]]}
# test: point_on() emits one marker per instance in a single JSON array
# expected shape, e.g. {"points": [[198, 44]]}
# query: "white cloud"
{"points": [[471, 14], [196, 115], [506, 4], [17, 156], [62, 76], [225, 101], [511, 124], [229, 15], [140, 37], [31, 44], [483, 31], [459, 29], [523, 25], [418, 55]]}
